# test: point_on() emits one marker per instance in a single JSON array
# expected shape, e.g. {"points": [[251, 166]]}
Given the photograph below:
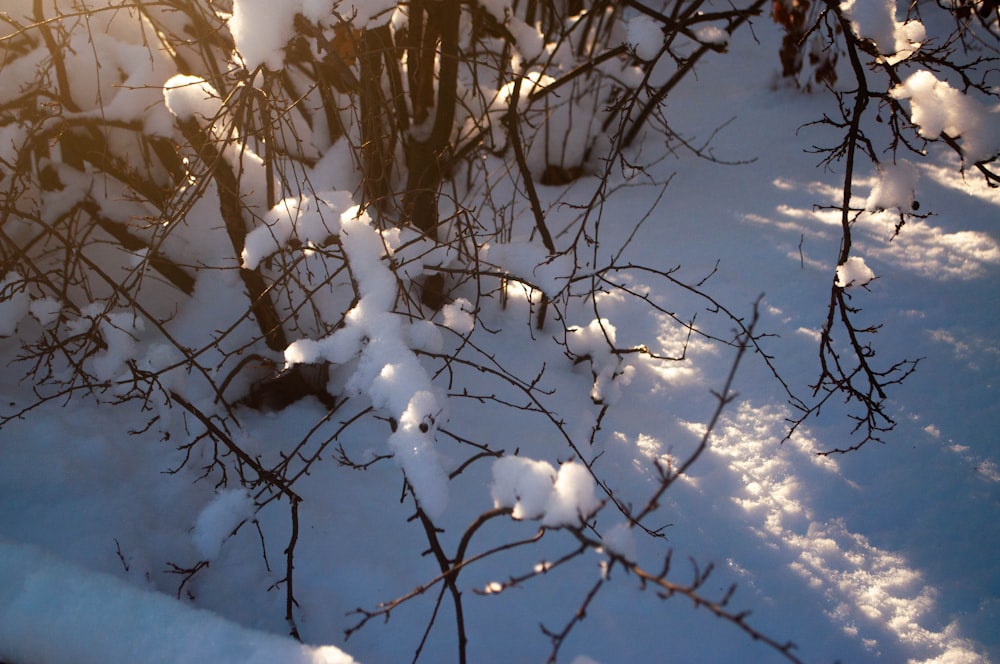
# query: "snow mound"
{"points": [[54, 612]]}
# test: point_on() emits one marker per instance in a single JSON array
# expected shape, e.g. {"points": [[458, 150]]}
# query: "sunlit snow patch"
{"points": [[869, 589]]}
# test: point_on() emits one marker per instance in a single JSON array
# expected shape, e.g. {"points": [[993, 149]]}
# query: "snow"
{"points": [[572, 501], [530, 262], [261, 29], [45, 310], [895, 187], [535, 490], [524, 485], [388, 371], [187, 96], [620, 540], [219, 519], [854, 273], [939, 108], [884, 555], [645, 37], [120, 331], [306, 219], [55, 612], [596, 343], [876, 20], [712, 34], [459, 316]]}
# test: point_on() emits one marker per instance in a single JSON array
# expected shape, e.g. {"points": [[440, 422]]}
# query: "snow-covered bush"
{"points": [[210, 207]]}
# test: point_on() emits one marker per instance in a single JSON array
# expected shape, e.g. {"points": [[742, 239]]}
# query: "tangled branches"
{"points": [[202, 223]]}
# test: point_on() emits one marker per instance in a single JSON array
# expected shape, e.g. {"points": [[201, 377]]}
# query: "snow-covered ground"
{"points": [[886, 554]]}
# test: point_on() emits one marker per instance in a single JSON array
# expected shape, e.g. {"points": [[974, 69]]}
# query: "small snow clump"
{"points": [[712, 34], [187, 96], [595, 342], [854, 273], [535, 490], [894, 187], [939, 108], [876, 20], [572, 500], [522, 484], [459, 316], [46, 310], [645, 37]]}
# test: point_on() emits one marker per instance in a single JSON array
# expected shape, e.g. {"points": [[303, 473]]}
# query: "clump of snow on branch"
{"points": [[55, 612], [388, 372], [190, 96], [219, 519], [530, 262], [535, 490], [645, 37], [939, 108], [307, 219], [876, 20], [572, 500], [596, 343], [120, 331], [712, 34], [261, 29], [523, 485], [459, 316], [854, 273], [45, 310], [895, 187]]}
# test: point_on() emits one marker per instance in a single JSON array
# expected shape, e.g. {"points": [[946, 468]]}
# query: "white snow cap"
{"points": [[611, 372], [262, 28], [894, 187], [458, 316], [854, 273], [645, 37], [186, 96], [876, 20], [937, 107], [536, 491], [523, 484]]}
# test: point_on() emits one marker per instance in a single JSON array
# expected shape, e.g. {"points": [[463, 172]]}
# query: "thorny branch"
{"points": [[591, 80]]}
